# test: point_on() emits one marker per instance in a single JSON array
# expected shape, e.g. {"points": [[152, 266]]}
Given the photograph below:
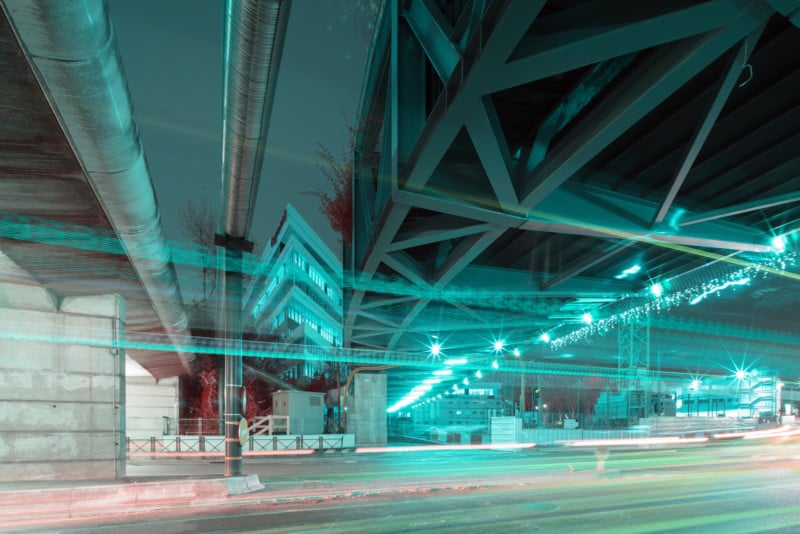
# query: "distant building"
{"points": [[295, 295], [470, 407]]}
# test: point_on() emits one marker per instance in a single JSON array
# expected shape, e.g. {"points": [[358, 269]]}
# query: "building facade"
{"points": [[295, 295]]}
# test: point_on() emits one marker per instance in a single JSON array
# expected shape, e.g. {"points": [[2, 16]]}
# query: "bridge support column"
{"points": [[366, 414], [62, 388]]}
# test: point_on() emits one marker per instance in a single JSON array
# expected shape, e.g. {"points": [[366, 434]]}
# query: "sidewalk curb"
{"points": [[34, 504]]}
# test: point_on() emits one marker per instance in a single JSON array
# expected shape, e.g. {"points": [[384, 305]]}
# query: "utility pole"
{"points": [[230, 294]]}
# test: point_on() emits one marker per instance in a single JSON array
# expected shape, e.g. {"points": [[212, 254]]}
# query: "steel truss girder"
{"points": [[548, 52], [640, 92], [486, 50], [463, 105], [724, 89], [522, 283], [599, 214]]}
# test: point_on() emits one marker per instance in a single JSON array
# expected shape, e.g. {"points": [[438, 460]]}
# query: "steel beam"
{"points": [[433, 31], [587, 263], [726, 85], [465, 253], [487, 136], [744, 207], [379, 319], [510, 283], [604, 215], [643, 90], [435, 229], [561, 44], [393, 217], [381, 302], [485, 52], [592, 84]]}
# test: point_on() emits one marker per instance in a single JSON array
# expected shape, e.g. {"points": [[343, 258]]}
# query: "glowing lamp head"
{"points": [[630, 271], [436, 349], [478, 374], [657, 290], [516, 352], [545, 337], [494, 365], [741, 374], [587, 318], [779, 243], [498, 345]]}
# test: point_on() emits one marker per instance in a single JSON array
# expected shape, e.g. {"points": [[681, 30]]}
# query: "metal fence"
{"points": [[173, 426], [215, 445]]}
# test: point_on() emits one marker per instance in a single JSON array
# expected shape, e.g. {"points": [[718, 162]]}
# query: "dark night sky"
{"points": [[172, 55]]}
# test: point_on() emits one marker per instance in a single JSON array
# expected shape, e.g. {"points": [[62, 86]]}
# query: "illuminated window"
{"points": [[311, 321]]}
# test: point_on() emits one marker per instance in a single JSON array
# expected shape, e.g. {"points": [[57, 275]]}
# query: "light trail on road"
{"points": [[735, 486]]}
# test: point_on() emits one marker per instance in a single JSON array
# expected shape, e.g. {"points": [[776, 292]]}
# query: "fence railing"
{"points": [[270, 424], [215, 445], [186, 426]]}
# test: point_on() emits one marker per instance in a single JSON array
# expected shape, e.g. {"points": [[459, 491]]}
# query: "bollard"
{"points": [[601, 454]]}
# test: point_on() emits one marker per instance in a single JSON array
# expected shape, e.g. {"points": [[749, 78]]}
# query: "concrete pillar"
{"points": [[62, 401], [366, 414]]}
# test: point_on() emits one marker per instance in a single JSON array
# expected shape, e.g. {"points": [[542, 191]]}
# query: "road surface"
{"points": [[731, 487]]}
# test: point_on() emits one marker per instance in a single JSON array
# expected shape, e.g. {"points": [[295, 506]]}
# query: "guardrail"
{"points": [[192, 426], [215, 445]]}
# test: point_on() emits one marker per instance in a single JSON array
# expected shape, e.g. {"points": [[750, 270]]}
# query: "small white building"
{"points": [[304, 409]]}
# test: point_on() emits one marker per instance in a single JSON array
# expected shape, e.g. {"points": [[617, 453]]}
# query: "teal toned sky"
{"points": [[172, 55]]}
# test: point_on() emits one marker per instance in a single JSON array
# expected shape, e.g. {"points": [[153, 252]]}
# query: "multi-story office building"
{"points": [[295, 295]]}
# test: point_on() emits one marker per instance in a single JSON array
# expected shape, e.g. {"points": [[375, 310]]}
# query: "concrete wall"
{"points": [[147, 402], [62, 406], [366, 412]]}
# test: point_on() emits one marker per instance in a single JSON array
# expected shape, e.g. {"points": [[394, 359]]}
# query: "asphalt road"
{"points": [[731, 487]]}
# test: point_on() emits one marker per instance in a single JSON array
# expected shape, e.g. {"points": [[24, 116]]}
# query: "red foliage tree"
{"points": [[208, 406], [200, 396], [338, 207]]}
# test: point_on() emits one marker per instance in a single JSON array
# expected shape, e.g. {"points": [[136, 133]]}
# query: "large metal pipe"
{"points": [[72, 49], [254, 34]]}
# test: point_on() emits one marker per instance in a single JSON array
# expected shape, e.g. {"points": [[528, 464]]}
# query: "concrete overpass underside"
{"points": [[85, 273], [73, 177]]}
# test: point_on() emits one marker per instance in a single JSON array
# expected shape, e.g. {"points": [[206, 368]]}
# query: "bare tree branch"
{"points": [[199, 218]]}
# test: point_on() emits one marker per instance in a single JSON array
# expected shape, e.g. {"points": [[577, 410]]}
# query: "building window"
{"points": [[325, 331]]}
